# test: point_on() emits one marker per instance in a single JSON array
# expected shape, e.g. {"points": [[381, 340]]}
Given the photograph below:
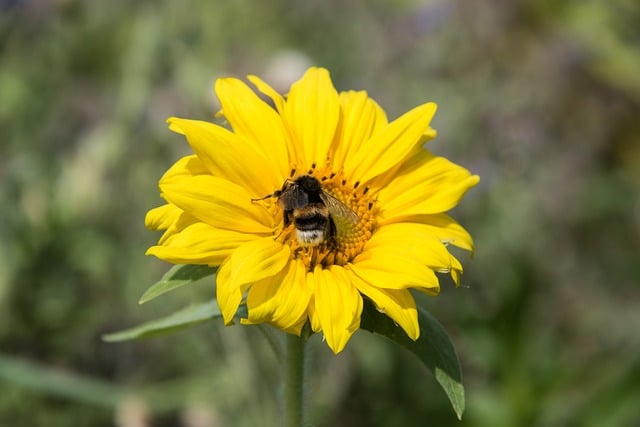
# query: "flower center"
{"points": [[331, 229]]}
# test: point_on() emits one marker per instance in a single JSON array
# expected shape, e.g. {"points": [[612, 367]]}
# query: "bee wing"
{"points": [[338, 210], [294, 197]]}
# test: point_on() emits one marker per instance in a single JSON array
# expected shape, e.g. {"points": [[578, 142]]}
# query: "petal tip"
{"points": [[174, 125]]}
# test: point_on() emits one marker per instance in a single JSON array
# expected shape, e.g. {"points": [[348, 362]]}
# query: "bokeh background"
{"points": [[540, 98]]}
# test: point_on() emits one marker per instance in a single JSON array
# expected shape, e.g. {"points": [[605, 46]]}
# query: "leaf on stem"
{"points": [[179, 275], [433, 348], [189, 316]]}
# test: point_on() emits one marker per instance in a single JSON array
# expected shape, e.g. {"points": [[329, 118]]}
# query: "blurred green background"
{"points": [[540, 98]]}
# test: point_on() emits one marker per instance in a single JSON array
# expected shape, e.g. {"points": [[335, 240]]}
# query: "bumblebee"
{"points": [[313, 212]]}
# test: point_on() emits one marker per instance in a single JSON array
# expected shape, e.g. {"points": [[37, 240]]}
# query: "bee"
{"points": [[315, 214]]}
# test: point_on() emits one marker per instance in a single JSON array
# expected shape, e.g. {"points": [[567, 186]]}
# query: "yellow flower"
{"points": [[229, 205]]}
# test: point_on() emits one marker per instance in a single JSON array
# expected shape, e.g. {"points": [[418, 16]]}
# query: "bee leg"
{"points": [[275, 194], [331, 231], [287, 217], [268, 196]]}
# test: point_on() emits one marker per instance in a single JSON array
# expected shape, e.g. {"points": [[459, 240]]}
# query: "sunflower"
{"points": [[224, 207]]}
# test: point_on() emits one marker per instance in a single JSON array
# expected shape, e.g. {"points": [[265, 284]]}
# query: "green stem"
{"points": [[294, 373]]}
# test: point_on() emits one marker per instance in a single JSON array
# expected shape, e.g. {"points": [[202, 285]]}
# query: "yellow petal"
{"points": [[391, 145], [262, 299], [227, 295], [173, 126], [421, 242], [312, 112], [199, 243], [183, 221], [456, 270], [226, 155], [312, 283], [255, 121], [424, 185], [445, 228], [294, 296], [394, 270], [338, 306], [399, 305], [266, 89], [411, 240], [162, 217], [360, 118], [297, 328], [251, 262], [258, 259], [281, 300], [218, 203], [186, 166]]}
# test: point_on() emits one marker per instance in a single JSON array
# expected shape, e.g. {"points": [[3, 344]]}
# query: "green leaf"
{"points": [[433, 348], [178, 276], [179, 320]]}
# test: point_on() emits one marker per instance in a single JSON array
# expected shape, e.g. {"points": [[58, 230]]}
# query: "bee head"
{"points": [[308, 183]]}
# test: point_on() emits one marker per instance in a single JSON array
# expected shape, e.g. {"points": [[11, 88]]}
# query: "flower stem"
{"points": [[293, 381]]}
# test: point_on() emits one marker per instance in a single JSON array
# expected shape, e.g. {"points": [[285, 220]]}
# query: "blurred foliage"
{"points": [[541, 98]]}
